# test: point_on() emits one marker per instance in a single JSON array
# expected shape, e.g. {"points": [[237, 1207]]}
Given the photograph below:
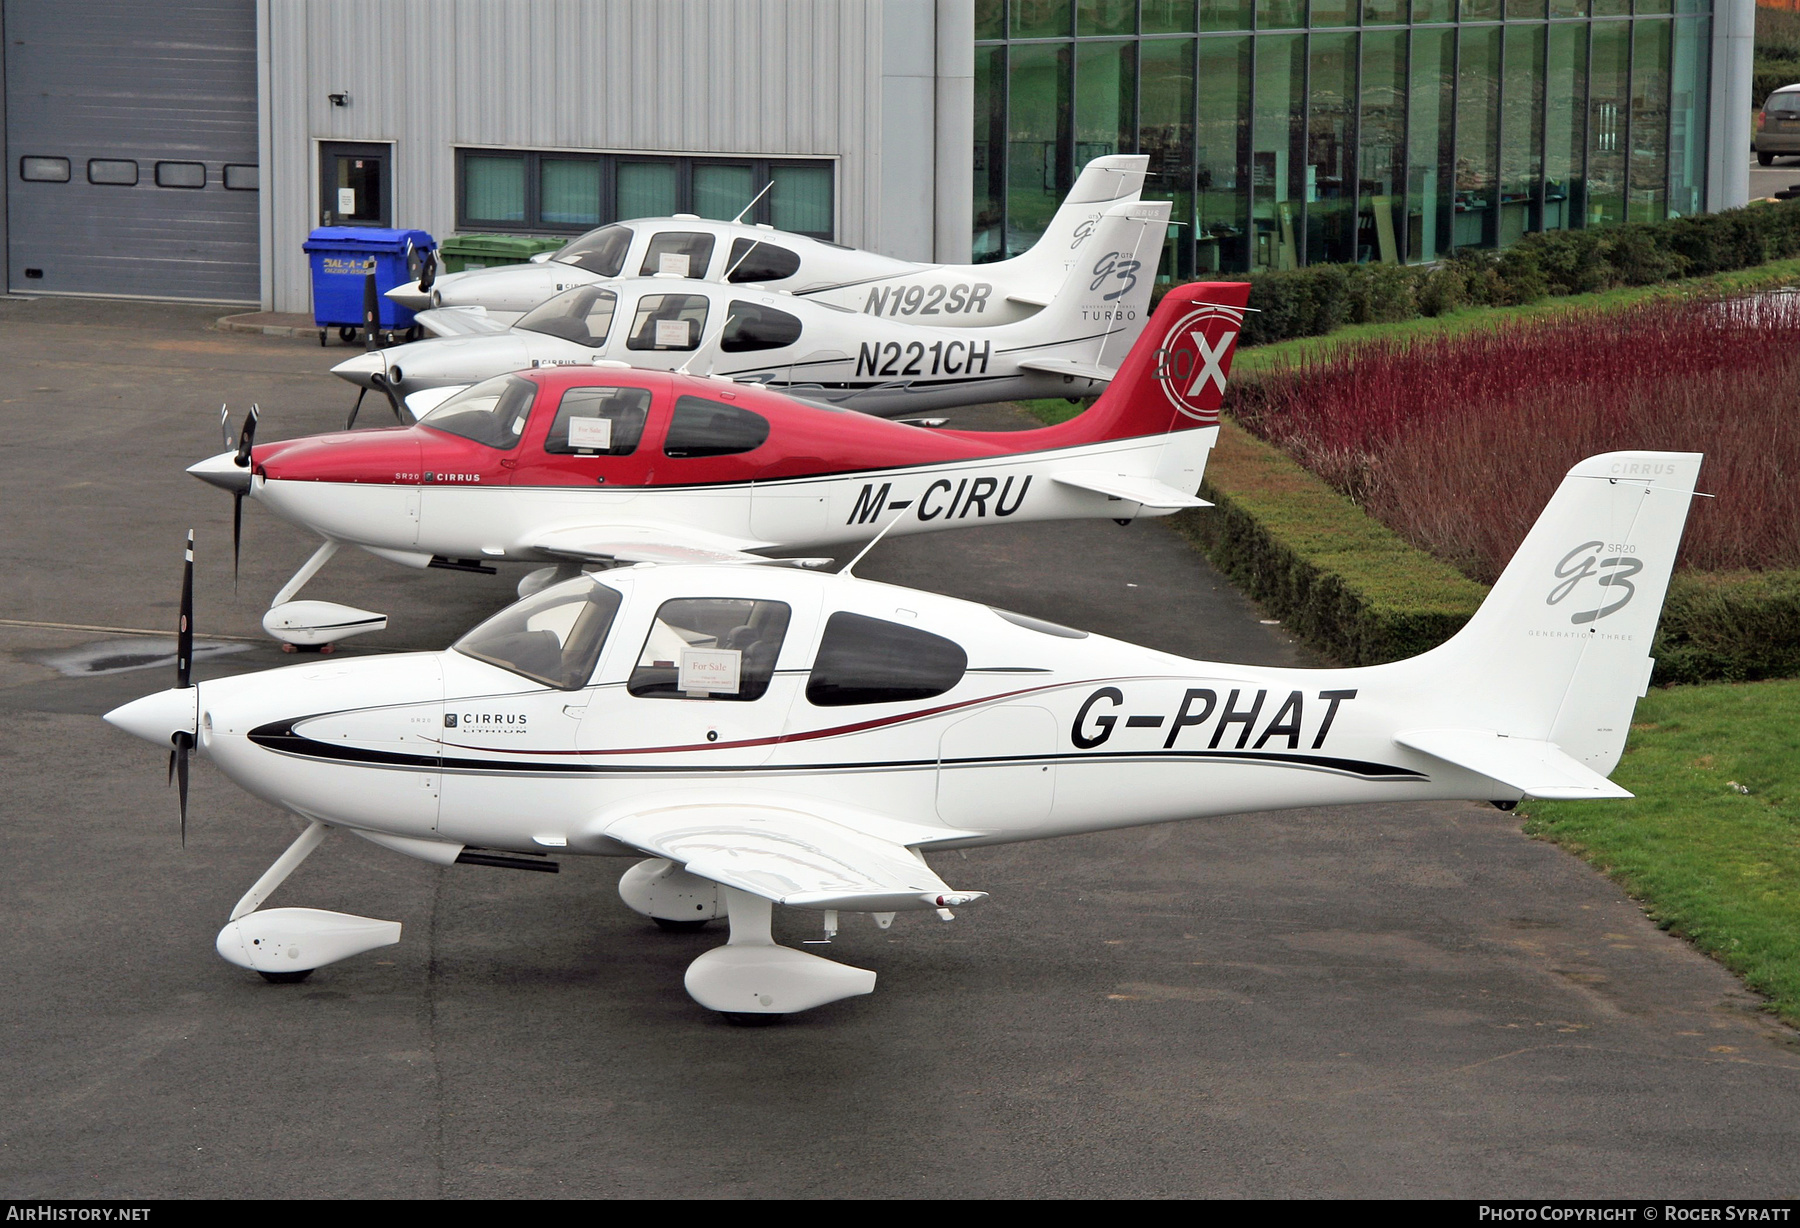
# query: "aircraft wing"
{"points": [[626, 543], [814, 858], [459, 322], [1542, 769], [1147, 491], [1069, 366], [420, 403]]}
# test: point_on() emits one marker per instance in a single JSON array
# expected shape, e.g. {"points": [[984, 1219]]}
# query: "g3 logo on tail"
{"points": [[1114, 267], [1613, 574], [1190, 363]]}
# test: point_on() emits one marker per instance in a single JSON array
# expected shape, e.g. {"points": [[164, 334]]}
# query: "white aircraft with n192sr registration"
{"points": [[764, 736], [950, 295], [878, 365], [578, 466]]}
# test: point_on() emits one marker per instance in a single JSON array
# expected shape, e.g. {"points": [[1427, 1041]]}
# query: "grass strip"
{"points": [[1711, 843]]}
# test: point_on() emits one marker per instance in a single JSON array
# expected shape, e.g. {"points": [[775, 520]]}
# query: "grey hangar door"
{"points": [[131, 148]]}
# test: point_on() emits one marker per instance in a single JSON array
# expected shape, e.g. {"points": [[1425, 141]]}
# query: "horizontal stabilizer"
{"points": [[1134, 489], [790, 856], [1541, 769], [459, 322], [1069, 366]]}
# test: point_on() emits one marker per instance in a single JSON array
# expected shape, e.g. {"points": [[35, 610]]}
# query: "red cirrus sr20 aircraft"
{"points": [[578, 466]]}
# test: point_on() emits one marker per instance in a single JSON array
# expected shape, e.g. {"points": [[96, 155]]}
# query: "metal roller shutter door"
{"points": [[171, 82]]}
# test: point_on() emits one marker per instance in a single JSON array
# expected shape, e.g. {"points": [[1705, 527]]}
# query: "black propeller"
{"points": [[371, 312], [246, 441], [183, 741], [428, 271]]}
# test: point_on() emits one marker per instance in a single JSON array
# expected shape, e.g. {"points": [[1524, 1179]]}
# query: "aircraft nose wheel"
{"points": [[285, 978]]}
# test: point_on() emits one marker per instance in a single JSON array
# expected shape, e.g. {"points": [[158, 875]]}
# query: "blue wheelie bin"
{"points": [[342, 256]]}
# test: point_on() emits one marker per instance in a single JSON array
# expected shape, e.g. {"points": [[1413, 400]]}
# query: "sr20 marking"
{"points": [[947, 358], [959, 299]]}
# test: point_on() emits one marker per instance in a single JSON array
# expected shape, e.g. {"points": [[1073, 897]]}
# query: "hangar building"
{"points": [[182, 149]]}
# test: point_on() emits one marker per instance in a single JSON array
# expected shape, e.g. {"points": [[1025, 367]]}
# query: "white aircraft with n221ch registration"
{"points": [[766, 736], [578, 466], [950, 295], [880, 366]]}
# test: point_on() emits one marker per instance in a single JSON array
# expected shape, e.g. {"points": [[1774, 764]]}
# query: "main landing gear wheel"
{"points": [[678, 927], [744, 1019], [1765, 159], [285, 978], [346, 334]]}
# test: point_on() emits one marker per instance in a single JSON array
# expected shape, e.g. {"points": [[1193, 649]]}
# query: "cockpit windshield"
{"points": [[553, 637], [581, 315], [491, 413], [598, 251]]}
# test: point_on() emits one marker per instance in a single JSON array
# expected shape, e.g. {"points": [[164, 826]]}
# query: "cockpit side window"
{"points": [[865, 660], [582, 315], [553, 637], [760, 260], [492, 413], [751, 326], [711, 648], [700, 427], [668, 322], [599, 422], [599, 251], [681, 252]]}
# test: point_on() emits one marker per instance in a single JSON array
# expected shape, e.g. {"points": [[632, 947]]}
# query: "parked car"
{"points": [[1778, 125]]}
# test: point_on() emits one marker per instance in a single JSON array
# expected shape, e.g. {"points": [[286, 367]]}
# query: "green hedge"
{"points": [[1337, 579], [1351, 588], [1315, 300]]}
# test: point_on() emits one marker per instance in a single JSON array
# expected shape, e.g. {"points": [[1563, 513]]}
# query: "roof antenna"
{"points": [[845, 569], [753, 200]]}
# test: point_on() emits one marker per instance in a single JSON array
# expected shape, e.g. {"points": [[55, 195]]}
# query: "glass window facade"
{"points": [[1289, 132]]}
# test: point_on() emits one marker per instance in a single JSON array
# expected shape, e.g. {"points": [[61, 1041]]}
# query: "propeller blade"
{"points": [[184, 744], [247, 438], [225, 426], [237, 532], [184, 633], [371, 311], [360, 394], [393, 399], [428, 274]]}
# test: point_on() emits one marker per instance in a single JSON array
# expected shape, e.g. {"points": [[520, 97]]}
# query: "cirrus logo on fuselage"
{"points": [[1190, 363]]}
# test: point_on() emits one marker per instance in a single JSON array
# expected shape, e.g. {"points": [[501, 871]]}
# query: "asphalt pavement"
{"points": [[1383, 1001]]}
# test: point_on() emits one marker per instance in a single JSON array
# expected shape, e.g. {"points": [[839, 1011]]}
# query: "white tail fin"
{"points": [[1107, 181], [1560, 650], [1104, 300]]}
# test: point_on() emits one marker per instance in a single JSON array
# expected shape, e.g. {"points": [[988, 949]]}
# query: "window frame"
{"points": [[67, 166], [761, 169], [156, 175], [137, 173]]}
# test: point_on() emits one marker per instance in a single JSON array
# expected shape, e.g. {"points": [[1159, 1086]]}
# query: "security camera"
{"points": [[340, 99]]}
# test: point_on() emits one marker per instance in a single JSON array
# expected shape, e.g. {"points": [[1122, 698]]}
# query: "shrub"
{"points": [[1456, 442], [1314, 300]]}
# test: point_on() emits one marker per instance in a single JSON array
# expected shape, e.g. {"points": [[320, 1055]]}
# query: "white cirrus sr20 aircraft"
{"points": [[948, 295], [875, 364], [578, 466], [761, 736]]}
